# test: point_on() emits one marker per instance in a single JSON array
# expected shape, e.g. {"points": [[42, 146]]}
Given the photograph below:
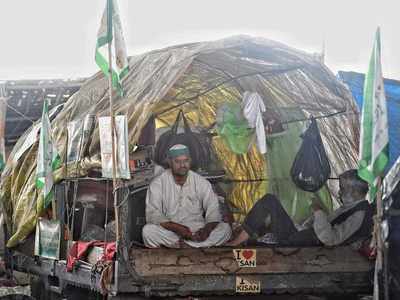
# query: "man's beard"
{"points": [[347, 199], [182, 172]]}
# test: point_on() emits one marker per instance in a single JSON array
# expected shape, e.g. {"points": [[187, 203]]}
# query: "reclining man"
{"points": [[351, 222], [181, 207]]}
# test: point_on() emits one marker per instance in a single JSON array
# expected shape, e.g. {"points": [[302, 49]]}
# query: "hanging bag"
{"points": [[311, 169], [199, 146]]}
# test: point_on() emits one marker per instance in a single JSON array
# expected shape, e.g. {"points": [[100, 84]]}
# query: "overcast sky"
{"points": [[56, 38]]}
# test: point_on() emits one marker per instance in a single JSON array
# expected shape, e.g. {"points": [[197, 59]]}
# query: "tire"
{"points": [[74, 293], [16, 297], [39, 292]]}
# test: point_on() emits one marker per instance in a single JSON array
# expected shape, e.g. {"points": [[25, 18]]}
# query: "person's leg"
{"points": [[241, 237], [269, 208], [304, 238], [218, 236], [155, 236]]}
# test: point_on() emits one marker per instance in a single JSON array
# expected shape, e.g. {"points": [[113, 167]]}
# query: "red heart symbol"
{"points": [[247, 254]]}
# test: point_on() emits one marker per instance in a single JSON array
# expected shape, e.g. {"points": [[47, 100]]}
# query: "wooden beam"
{"points": [[217, 261]]}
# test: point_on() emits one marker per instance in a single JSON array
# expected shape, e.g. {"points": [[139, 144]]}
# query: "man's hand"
{"points": [[184, 232], [316, 204], [181, 230], [203, 233]]}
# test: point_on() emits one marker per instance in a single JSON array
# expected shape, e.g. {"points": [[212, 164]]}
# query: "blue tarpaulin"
{"points": [[355, 82]]}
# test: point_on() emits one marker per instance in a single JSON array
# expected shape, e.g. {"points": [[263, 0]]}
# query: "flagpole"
{"points": [[3, 112], [114, 175], [374, 142], [378, 241]]}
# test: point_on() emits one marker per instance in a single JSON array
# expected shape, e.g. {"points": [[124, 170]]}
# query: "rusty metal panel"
{"points": [[203, 285]]}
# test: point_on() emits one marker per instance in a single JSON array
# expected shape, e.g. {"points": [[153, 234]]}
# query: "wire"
{"points": [[132, 193], [17, 111], [227, 180], [76, 181], [272, 73], [315, 118]]}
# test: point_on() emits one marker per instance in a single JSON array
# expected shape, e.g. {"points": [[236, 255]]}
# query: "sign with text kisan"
{"points": [[244, 285], [246, 258]]}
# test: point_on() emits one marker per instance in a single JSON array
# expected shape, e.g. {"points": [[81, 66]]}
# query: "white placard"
{"points": [[121, 141]]}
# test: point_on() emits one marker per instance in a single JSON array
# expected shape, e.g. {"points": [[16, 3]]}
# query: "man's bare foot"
{"points": [[239, 239], [183, 245]]}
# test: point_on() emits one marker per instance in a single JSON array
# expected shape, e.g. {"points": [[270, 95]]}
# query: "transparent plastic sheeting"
{"points": [[202, 77]]}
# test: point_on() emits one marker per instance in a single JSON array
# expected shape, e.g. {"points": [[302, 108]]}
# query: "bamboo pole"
{"points": [[379, 241], [381, 249], [114, 170], [3, 111]]}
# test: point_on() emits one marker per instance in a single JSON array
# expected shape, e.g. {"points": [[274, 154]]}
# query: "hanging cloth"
{"points": [[233, 128], [253, 107], [80, 249]]}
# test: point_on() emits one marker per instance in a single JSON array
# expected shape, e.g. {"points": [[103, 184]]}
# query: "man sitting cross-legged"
{"points": [[181, 207]]}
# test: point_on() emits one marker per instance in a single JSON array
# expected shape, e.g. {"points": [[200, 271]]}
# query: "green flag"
{"points": [[110, 31], [374, 139], [48, 159]]}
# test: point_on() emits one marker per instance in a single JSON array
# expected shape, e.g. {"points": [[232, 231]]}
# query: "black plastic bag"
{"points": [[311, 168], [199, 146]]}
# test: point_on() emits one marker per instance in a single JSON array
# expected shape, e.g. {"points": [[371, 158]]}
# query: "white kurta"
{"points": [[194, 204]]}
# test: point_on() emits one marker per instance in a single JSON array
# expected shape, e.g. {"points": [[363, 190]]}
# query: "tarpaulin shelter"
{"points": [[196, 78], [355, 81]]}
